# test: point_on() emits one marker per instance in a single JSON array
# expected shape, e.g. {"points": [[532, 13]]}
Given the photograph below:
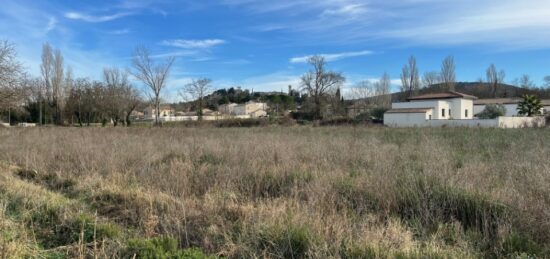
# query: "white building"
{"points": [[436, 106], [251, 109], [165, 111], [448, 109], [511, 105]]}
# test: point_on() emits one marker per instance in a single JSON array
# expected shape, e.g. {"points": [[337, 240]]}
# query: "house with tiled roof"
{"points": [[433, 106], [448, 109]]}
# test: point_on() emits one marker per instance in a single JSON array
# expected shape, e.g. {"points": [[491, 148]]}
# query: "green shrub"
{"points": [[429, 202], [247, 123], [378, 113], [358, 252], [160, 248], [516, 244], [492, 111], [286, 242], [338, 121]]}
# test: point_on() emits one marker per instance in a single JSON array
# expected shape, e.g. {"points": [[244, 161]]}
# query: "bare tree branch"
{"points": [[318, 82], [153, 75]]}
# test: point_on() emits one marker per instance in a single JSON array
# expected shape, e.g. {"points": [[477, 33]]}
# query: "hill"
{"points": [[481, 90]]}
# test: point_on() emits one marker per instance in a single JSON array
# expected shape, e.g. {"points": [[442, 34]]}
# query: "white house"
{"points": [[511, 105], [435, 106], [251, 109], [448, 109], [165, 111]]}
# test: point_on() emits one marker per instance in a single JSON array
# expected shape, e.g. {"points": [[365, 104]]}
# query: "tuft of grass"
{"points": [[273, 185], [285, 241], [161, 247], [429, 202]]}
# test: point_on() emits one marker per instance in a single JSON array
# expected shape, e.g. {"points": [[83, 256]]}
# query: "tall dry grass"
{"points": [[286, 192]]}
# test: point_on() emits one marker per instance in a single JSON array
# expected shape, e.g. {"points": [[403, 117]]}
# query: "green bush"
{"points": [[337, 121], [492, 111], [429, 203], [516, 244], [359, 252], [286, 242], [378, 113], [160, 248]]}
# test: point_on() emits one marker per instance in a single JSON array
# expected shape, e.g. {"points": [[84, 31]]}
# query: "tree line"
{"points": [[56, 97]]}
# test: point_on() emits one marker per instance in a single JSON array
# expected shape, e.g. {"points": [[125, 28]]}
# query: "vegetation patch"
{"points": [[161, 247], [285, 241], [356, 198], [51, 181], [273, 185], [428, 202]]}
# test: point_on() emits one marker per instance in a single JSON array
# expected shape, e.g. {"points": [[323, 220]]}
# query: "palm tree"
{"points": [[530, 106]]}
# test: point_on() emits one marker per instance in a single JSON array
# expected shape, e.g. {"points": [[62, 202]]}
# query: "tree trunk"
{"points": [[317, 114], [157, 106]]}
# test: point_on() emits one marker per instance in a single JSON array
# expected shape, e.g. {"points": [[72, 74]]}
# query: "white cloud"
{"points": [[332, 57], [185, 53], [95, 19], [52, 22], [508, 24], [346, 10], [194, 44]]}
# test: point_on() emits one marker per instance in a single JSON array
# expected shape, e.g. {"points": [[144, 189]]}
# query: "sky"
{"points": [[263, 45]]}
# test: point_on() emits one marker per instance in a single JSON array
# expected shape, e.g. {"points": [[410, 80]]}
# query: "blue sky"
{"points": [[261, 45]]}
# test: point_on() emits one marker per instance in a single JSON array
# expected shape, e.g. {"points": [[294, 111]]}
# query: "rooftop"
{"points": [[409, 110], [444, 95]]}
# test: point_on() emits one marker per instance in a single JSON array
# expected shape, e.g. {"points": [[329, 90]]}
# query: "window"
{"points": [[466, 113], [442, 112], [450, 113], [430, 117]]}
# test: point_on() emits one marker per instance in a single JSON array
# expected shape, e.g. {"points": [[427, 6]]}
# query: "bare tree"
{"points": [[197, 90], [53, 73], [448, 76], [546, 80], [10, 75], [495, 78], [409, 77], [115, 83], [363, 94], [319, 82], [524, 82], [431, 78], [383, 91], [153, 75]]}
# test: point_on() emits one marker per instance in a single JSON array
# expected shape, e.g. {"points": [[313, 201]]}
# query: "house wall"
{"points": [[246, 109], [406, 119], [500, 122], [457, 106], [521, 122]]}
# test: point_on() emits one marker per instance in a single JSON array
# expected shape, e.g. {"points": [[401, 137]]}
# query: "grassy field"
{"points": [[274, 192]]}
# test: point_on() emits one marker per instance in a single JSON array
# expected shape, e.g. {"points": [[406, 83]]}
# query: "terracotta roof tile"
{"points": [[444, 95]]}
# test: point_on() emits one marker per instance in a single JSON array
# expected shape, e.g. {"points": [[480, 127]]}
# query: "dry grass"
{"points": [[278, 192]]}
